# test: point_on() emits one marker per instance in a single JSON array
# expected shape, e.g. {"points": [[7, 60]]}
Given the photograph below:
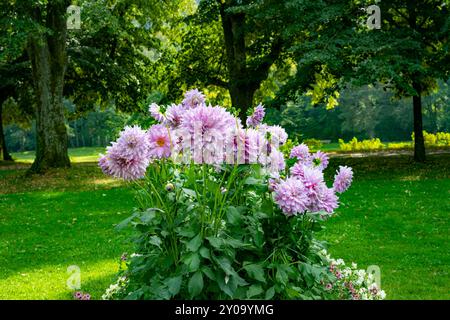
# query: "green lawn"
{"points": [[395, 215], [87, 154]]}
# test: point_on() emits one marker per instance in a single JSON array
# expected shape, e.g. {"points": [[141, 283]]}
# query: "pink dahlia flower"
{"points": [[174, 113], [120, 165], [256, 118], [193, 99], [159, 139], [297, 170], [327, 200], [278, 135], [343, 179], [132, 142], [320, 160], [301, 152], [291, 197], [155, 112]]}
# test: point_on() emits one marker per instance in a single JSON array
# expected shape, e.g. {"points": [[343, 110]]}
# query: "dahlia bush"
{"points": [[220, 213]]}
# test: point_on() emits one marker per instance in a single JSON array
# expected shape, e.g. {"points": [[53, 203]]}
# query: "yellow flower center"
{"points": [[160, 142]]}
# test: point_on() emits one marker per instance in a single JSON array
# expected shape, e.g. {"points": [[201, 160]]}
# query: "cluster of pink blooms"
{"points": [[305, 189], [80, 296], [351, 282], [194, 131]]}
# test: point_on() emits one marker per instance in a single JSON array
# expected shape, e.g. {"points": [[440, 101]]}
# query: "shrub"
{"points": [[364, 145], [219, 213], [313, 144], [400, 145]]}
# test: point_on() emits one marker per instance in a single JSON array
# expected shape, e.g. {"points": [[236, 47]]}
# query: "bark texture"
{"points": [[4, 154], [47, 53], [244, 79]]}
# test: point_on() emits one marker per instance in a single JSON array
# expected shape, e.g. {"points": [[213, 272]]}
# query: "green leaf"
{"points": [[156, 241], [254, 290], [204, 252], [192, 261], [255, 271], [270, 293], [225, 264], [190, 192], [233, 215], [195, 243], [258, 238], [252, 181], [174, 285], [195, 285], [125, 223], [215, 242], [281, 274], [208, 272], [149, 215]]}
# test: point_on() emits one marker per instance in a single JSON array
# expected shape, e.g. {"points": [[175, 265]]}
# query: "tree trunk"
{"points": [[48, 59], [419, 143], [242, 83], [242, 98], [4, 154]]}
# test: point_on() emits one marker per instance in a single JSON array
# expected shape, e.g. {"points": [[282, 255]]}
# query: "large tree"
{"points": [[16, 78], [103, 62], [408, 54], [229, 44]]}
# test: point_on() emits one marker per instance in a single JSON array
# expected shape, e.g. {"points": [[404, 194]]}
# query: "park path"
{"points": [[386, 153]]}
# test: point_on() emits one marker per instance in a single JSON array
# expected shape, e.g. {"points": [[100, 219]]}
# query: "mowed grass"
{"points": [[51, 222], [395, 216], [77, 155]]}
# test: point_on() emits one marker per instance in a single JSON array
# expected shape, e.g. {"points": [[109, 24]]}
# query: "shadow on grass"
{"points": [[61, 229]]}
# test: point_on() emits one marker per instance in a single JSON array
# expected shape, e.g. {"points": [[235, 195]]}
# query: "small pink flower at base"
{"points": [[256, 118], [155, 112], [320, 160], [291, 197], [301, 152], [343, 179], [86, 296], [193, 99], [78, 295], [160, 144], [328, 287]]}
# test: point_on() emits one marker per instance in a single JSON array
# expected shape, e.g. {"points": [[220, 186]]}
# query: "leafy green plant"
{"points": [[237, 223]]}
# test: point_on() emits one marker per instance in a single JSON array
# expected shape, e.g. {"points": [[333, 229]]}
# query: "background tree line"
{"points": [[290, 54]]}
